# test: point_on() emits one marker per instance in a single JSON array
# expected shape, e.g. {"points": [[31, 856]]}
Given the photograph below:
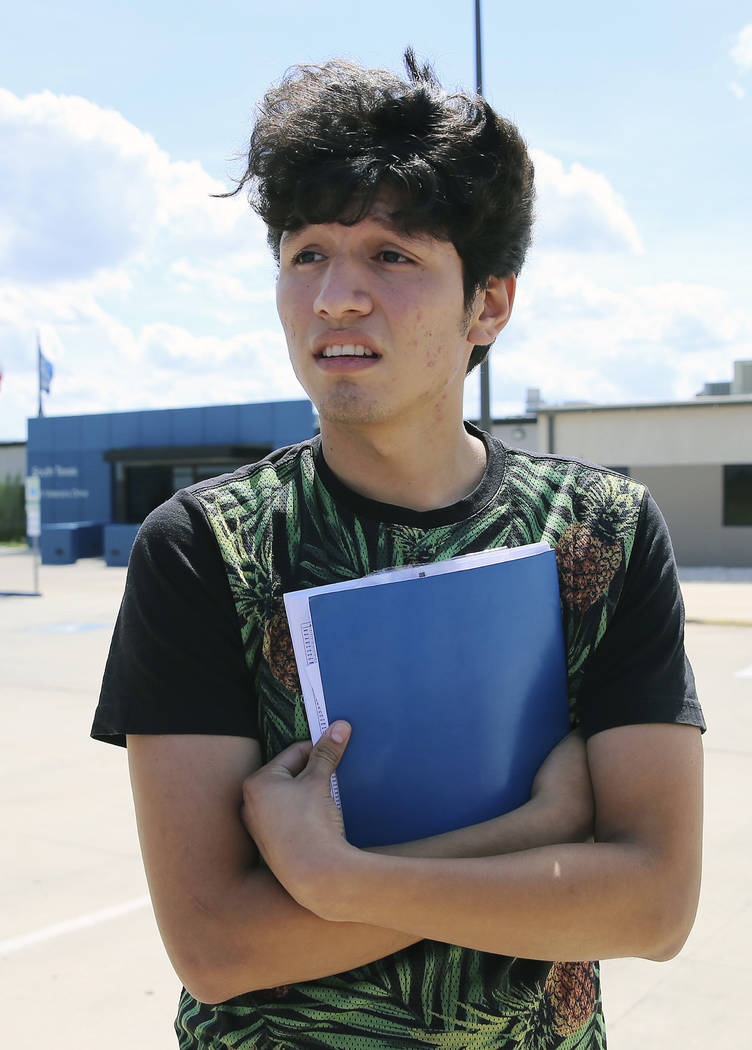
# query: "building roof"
{"points": [[701, 401]]}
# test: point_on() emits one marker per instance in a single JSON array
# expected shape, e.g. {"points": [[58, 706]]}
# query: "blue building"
{"points": [[113, 468]]}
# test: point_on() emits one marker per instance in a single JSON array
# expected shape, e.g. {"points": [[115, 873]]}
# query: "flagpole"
{"points": [[39, 377], [485, 368]]}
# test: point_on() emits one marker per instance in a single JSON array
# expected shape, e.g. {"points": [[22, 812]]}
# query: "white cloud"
{"points": [[82, 189], [736, 89], [106, 363], [169, 366], [151, 293], [579, 210], [76, 195], [126, 262], [741, 52], [580, 340], [191, 280]]}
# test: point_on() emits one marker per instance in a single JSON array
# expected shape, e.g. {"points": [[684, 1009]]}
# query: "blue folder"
{"points": [[456, 688]]}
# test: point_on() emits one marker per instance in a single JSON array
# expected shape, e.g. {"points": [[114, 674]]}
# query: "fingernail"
{"points": [[339, 732]]}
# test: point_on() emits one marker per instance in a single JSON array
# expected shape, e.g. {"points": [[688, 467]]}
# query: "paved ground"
{"points": [[81, 964]]}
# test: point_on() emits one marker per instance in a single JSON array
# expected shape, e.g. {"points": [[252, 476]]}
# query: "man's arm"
{"points": [[227, 923], [633, 892]]}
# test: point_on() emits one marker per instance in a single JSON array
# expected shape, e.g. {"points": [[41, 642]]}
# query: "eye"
{"points": [[391, 255], [307, 255]]}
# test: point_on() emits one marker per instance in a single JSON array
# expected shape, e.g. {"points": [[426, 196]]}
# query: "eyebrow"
{"points": [[385, 222]]}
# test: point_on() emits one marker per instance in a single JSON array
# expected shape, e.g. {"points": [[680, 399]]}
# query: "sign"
{"points": [[33, 506], [33, 521], [33, 489]]}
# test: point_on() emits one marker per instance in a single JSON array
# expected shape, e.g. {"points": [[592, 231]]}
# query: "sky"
{"points": [[119, 120]]}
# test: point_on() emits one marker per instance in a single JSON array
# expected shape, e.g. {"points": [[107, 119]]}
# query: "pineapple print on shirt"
{"points": [[571, 989], [277, 647], [590, 550]]}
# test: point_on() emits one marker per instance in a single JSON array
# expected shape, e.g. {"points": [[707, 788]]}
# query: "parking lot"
{"points": [[81, 963]]}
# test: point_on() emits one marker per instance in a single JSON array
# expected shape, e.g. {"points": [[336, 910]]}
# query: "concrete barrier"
{"points": [[67, 541], [118, 540]]}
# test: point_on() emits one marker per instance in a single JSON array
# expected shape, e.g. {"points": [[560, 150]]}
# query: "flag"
{"points": [[46, 371]]}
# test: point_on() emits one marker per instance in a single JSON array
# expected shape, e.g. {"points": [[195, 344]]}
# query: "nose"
{"points": [[343, 290]]}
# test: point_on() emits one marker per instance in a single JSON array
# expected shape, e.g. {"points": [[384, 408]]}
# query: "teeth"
{"points": [[348, 350]]}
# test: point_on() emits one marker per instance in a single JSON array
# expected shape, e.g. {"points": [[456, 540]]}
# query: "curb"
{"points": [[716, 621]]}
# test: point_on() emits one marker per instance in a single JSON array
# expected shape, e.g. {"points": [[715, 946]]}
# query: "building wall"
{"points": [[691, 498], [716, 432], [679, 451], [67, 452], [517, 433], [12, 460]]}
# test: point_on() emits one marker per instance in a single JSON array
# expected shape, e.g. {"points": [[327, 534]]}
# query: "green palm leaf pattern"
{"points": [[279, 528]]}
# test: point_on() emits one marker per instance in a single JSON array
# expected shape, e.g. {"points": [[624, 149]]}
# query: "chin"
{"points": [[350, 408]]}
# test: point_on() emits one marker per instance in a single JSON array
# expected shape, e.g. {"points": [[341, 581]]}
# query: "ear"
{"points": [[492, 310]]}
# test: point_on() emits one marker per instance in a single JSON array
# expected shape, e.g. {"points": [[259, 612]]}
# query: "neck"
{"points": [[408, 468]]}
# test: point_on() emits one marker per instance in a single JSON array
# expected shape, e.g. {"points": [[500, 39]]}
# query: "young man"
{"points": [[400, 217]]}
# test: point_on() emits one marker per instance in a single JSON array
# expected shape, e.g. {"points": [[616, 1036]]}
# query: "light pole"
{"points": [[485, 370]]}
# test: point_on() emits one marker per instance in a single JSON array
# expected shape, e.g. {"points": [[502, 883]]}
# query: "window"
{"points": [[146, 486], [737, 494], [147, 476]]}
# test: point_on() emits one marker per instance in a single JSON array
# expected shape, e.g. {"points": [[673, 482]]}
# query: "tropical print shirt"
{"points": [[287, 523]]}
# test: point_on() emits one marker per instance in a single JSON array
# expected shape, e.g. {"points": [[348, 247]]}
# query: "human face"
{"points": [[375, 321]]}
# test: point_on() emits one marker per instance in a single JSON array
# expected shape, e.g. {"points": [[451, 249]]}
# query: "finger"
{"points": [[329, 749], [292, 760]]}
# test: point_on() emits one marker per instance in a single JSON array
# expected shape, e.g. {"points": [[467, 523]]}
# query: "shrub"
{"points": [[12, 510]]}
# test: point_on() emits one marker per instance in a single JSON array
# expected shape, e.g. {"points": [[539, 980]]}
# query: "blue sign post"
{"points": [[34, 522]]}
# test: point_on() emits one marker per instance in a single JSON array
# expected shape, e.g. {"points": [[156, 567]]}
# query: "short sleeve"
{"points": [[176, 662], [639, 672]]}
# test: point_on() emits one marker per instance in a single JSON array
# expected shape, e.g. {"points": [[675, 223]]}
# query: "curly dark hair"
{"points": [[329, 138]]}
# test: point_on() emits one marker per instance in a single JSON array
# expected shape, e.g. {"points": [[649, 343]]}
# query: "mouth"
{"points": [[346, 350]]}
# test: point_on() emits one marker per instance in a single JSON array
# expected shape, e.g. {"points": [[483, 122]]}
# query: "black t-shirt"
{"points": [[202, 646]]}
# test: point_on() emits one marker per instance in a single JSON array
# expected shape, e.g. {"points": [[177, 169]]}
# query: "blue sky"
{"points": [[118, 121]]}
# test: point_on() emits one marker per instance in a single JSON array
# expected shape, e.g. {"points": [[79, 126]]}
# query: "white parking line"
{"points": [[13, 944]]}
